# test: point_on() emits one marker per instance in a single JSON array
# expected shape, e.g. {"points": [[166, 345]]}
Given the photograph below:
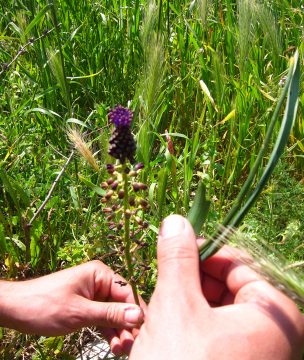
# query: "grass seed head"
{"points": [[82, 147]]}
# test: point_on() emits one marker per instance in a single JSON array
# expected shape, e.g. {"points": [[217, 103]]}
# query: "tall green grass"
{"points": [[208, 72], [79, 59]]}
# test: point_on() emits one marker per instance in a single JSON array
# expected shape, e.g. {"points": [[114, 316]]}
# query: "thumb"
{"points": [[113, 315], [177, 254]]}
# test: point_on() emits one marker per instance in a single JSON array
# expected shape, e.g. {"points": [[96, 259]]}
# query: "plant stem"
{"points": [[42, 206], [127, 242]]}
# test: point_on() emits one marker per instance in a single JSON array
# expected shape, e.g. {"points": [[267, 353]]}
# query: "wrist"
{"points": [[8, 305], [17, 308]]}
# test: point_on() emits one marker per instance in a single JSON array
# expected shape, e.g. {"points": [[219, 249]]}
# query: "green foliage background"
{"points": [[209, 72]]}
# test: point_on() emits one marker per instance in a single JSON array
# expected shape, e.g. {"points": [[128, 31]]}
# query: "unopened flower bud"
{"points": [[138, 166], [112, 225], [143, 203], [107, 210], [139, 186], [136, 187], [120, 116], [110, 181], [110, 217], [110, 168], [143, 186], [121, 194], [138, 220], [133, 173], [114, 185], [145, 224], [132, 200], [109, 194], [128, 214], [137, 231], [104, 185]]}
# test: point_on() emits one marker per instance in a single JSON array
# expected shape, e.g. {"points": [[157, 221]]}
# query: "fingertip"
{"points": [[133, 316], [177, 256], [121, 343], [127, 346], [172, 226], [176, 232], [113, 339], [126, 340], [116, 347]]}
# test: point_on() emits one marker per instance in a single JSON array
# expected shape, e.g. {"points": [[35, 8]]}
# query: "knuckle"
{"points": [[176, 253], [112, 315], [177, 258]]}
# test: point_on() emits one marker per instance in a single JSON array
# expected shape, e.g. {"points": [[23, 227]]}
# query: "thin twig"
{"points": [[51, 190], [22, 50]]}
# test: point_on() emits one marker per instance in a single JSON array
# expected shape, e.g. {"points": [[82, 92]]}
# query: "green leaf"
{"points": [[43, 111], [8, 187], [79, 122], [34, 245], [235, 217], [161, 190], [75, 198], [281, 141], [151, 197], [254, 171], [198, 213], [16, 191], [19, 243], [94, 187], [3, 246], [36, 19], [183, 136]]}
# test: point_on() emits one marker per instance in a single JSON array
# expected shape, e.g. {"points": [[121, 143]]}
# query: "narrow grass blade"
{"points": [[237, 213], [161, 190], [246, 187], [199, 210], [37, 19], [281, 142], [97, 189], [16, 192]]}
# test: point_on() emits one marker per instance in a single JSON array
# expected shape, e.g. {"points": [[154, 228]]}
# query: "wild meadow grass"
{"points": [[203, 78]]}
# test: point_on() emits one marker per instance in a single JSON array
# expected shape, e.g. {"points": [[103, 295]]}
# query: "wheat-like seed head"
{"points": [[267, 262], [83, 148]]}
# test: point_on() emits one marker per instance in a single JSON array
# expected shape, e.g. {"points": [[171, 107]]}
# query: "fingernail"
{"points": [[172, 226], [134, 315]]}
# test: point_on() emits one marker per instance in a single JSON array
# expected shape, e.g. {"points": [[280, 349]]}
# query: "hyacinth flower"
{"points": [[122, 143], [124, 200]]}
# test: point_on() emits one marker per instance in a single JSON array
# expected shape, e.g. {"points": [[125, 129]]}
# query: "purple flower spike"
{"points": [[120, 116]]}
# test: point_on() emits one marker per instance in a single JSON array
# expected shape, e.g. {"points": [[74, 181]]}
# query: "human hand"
{"points": [[213, 310], [63, 302]]}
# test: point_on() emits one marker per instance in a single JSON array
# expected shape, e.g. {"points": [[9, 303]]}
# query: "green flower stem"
{"points": [[127, 240]]}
